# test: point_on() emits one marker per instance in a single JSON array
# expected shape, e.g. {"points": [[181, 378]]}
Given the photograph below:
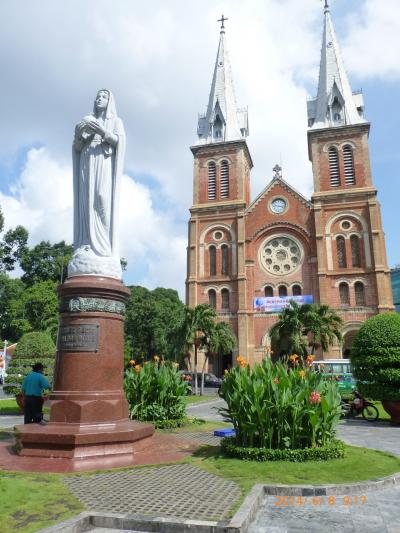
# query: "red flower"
{"points": [[315, 397]]}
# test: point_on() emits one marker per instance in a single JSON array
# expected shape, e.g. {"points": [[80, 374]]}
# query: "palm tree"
{"points": [[287, 334], [324, 325], [194, 329], [221, 341]]}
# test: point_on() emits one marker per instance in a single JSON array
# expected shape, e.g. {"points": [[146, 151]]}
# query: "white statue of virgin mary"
{"points": [[98, 156]]}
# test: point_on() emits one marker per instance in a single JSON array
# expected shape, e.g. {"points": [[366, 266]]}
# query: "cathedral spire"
{"points": [[335, 104], [223, 121]]}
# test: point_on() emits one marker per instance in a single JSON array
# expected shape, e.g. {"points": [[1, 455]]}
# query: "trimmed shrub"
{"points": [[334, 450], [156, 393], [272, 406], [375, 357], [34, 347]]}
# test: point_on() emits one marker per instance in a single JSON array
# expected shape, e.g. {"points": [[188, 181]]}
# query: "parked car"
{"points": [[210, 380]]}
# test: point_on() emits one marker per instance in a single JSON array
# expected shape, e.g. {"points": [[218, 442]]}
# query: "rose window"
{"points": [[281, 255]]}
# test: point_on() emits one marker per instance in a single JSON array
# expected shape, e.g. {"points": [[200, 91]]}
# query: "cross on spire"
{"points": [[278, 171], [326, 6], [222, 20]]}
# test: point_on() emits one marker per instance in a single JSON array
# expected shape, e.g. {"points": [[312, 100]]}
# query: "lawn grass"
{"points": [[191, 399], [360, 464], [29, 502], [9, 407]]}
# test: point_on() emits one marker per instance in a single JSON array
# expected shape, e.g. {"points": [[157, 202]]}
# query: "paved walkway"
{"points": [[178, 491], [374, 512]]}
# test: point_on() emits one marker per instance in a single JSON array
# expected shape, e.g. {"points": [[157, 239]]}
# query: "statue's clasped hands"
{"points": [[95, 126]]}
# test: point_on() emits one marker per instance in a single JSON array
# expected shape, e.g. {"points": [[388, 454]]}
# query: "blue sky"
{"points": [[158, 58]]}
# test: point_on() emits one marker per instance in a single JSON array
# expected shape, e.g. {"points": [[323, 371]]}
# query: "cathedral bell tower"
{"points": [[352, 267], [221, 193]]}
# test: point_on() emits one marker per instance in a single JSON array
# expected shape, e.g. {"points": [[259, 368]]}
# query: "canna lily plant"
{"points": [[278, 407]]}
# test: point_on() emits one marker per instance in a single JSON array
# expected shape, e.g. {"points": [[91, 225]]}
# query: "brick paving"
{"points": [[178, 491], [199, 437]]}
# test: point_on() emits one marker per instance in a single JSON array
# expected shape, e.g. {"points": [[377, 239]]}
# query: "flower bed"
{"points": [[283, 407], [156, 393], [334, 450]]}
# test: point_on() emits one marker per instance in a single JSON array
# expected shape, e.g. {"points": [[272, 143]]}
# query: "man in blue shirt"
{"points": [[33, 386]]}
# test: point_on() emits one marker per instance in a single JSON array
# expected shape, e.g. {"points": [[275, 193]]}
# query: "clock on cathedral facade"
{"points": [[329, 249]]}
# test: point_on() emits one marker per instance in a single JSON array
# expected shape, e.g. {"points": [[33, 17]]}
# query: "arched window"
{"points": [[341, 252], [268, 291], [225, 300], [212, 298], [334, 167], [212, 187], [359, 291], [355, 251], [224, 179], [282, 290], [348, 162], [213, 260], [224, 260], [296, 290], [344, 294]]}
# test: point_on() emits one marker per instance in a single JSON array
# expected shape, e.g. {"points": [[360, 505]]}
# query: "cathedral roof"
{"points": [[278, 180], [223, 120], [335, 104]]}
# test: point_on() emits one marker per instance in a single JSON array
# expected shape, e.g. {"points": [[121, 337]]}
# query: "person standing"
{"points": [[32, 387]]}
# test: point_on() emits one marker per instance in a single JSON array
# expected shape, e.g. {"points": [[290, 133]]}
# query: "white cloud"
{"points": [[372, 45], [41, 200], [158, 58]]}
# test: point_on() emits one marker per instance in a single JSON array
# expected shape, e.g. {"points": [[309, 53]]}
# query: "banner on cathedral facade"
{"points": [[274, 304]]}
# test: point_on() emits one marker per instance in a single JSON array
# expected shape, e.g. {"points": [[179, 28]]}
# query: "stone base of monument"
{"points": [[89, 412]]}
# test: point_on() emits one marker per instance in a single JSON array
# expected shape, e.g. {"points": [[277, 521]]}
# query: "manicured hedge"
{"points": [[375, 357], [335, 450], [34, 347]]}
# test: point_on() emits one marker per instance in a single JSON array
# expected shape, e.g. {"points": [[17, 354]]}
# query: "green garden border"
{"points": [[336, 450]]}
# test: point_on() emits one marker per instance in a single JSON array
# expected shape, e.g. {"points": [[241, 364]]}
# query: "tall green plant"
{"points": [[273, 406], [194, 330], [156, 391], [221, 341], [323, 325]]}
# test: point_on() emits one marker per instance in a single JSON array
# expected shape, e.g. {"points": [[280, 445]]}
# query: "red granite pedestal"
{"points": [[89, 412]]}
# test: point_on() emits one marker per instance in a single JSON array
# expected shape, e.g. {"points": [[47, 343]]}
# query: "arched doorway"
{"points": [[348, 339]]}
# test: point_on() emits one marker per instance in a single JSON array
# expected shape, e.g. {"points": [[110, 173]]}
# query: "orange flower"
{"points": [[276, 381], [156, 358], [302, 373], [241, 361], [175, 365], [138, 368], [310, 358], [293, 358], [132, 362]]}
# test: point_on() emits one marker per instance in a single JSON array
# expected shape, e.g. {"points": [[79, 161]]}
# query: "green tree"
{"points": [[12, 246], [297, 323], [151, 320], [45, 262], [11, 290], [323, 325], [194, 330], [34, 347], [36, 309], [375, 357], [287, 334], [221, 341]]}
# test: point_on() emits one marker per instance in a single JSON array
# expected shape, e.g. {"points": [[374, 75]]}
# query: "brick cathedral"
{"points": [[247, 257]]}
